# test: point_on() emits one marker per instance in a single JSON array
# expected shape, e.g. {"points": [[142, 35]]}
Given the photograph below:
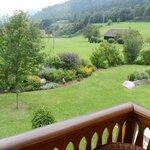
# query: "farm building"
{"points": [[113, 32]]}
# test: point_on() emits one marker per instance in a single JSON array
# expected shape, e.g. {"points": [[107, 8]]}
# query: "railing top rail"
{"points": [[141, 111], [59, 129]]}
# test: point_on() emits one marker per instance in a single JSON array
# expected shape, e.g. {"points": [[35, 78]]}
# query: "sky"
{"points": [[9, 6]]}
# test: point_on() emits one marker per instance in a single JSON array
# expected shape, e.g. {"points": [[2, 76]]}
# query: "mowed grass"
{"points": [[81, 46], [78, 44], [103, 89]]}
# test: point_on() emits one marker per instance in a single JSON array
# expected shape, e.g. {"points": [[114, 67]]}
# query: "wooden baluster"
{"points": [[110, 130], [120, 132], [76, 143], [99, 141], [88, 144], [130, 129]]}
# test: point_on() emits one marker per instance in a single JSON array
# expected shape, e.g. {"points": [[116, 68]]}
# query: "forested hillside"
{"points": [[112, 9]]}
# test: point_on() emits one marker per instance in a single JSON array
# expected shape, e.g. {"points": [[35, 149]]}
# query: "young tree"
{"points": [[133, 43], [118, 20], [91, 31], [19, 51], [109, 22]]}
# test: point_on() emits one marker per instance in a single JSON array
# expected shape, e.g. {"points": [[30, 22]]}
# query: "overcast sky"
{"points": [[8, 6]]}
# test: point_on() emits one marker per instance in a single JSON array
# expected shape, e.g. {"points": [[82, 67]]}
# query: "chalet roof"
{"points": [[113, 32]]}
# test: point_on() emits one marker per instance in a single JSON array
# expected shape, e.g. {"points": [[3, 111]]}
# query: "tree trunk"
{"points": [[17, 100]]}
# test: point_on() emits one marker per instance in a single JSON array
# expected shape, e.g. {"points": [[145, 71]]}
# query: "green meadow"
{"points": [[80, 45], [101, 90]]}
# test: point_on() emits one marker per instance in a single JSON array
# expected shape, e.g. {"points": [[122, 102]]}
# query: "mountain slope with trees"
{"points": [[113, 9], [78, 13]]}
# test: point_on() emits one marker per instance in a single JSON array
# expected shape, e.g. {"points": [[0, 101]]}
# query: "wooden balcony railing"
{"points": [[124, 123]]}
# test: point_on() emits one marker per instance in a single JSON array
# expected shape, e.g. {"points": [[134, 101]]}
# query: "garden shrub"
{"points": [[140, 76], [29, 88], [50, 85], [55, 62], [55, 75], [119, 38], [88, 70], [44, 72], [84, 71], [85, 62], [139, 60], [133, 43], [148, 71], [70, 60], [145, 57], [34, 81], [106, 55], [131, 77], [70, 75], [80, 72], [42, 117], [94, 40], [111, 40], [120, 41], [145, 75]]}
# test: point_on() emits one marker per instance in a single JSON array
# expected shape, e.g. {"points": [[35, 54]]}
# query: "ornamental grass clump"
{"points": [[35, 81]]}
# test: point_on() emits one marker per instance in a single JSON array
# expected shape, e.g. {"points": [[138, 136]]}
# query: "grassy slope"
{"points": [[101, 90]]}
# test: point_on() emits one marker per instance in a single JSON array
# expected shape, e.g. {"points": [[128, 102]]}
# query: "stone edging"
{"points": [[141, 82]]}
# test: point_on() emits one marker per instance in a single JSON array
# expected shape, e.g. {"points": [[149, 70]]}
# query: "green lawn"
{"points": [[77, 44], [103, 89]]}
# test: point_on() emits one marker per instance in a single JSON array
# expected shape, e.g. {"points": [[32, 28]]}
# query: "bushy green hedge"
{"points": [[55, 75], [70, 60], [95, 40], [106, 55], [70, 75], [111, 40], [54, 62], [42, 117], [138, 76], [145, 57], [34, 81]]}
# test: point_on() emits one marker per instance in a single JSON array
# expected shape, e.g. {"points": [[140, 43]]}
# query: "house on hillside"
{"points": [[113, 32]]}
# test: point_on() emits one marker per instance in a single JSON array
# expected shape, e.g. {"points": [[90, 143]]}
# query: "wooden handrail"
{"points": [[58, 135]]}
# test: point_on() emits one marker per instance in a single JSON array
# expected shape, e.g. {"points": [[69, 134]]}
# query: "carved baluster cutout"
{"points": [[105, 136], [70, 146], [115, 133], [94, 140], [146, 139], [83, 144]]}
